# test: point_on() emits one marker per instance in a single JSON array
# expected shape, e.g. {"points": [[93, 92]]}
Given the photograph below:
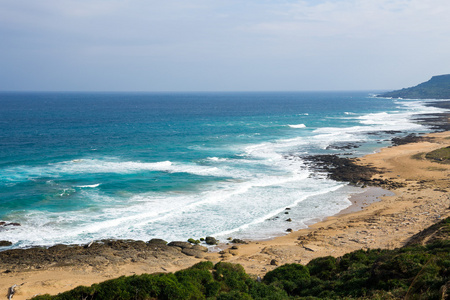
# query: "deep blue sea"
{"points": [[76, 167]]}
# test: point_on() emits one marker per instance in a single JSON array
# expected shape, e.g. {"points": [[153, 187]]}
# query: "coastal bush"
{"points": [[323, 268], [231, 276], [291, 277]]}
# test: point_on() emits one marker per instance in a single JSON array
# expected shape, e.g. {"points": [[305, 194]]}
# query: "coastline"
{"points": [[387, 223]]}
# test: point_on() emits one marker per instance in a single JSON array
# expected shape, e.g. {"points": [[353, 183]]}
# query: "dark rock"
{"points": [[210, 240], [234, 247], [238, 241], [58, 247], [410, 138], [289, 220], [274, 262], [5, 243], [100, 254], [343, 146], [9, 224], [157, 242], [341, 168], [182, 245], [289, 230], [381, 132]]}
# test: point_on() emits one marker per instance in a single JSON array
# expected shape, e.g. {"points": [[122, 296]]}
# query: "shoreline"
{"points": [[367, 223]]}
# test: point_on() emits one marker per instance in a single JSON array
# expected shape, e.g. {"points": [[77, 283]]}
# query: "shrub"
{"points": [[323, 267], [291, 277]]}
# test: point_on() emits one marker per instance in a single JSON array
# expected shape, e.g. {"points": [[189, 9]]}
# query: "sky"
{"points": [[228, 45]]}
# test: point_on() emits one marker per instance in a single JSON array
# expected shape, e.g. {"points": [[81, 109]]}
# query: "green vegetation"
{"points": [[413, 272], [438, 87], [192, 241], [440, 155]]}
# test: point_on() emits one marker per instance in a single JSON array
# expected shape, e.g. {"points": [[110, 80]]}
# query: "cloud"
{"points": [[204, 44]]}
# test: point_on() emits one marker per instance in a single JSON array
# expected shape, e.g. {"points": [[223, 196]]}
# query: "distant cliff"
{"points": [[438, 87]]}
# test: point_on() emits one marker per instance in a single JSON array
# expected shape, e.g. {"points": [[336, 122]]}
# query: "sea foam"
{"points": [[298, 126]]}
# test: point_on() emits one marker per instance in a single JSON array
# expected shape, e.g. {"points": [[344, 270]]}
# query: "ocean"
{"points": [[77, 167]]}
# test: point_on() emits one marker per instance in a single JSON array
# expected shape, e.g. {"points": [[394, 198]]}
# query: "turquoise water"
{"points": [[81, 166]]}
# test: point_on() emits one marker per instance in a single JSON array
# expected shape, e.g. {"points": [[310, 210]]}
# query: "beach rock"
{"points": [[274, 262], [343, 146], [190, 252], [311, 248], [200, 248], [226, 255], [210, 240], [238, 241], [58, 247], [121, 244], [410, 138], [4, 224], [192, 241], [5, 243], [289, 230], [157, 242], [289, 220], [233, 252], [12, 224], [182, 245]]}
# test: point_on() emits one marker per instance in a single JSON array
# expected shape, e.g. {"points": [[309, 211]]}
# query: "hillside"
{"points": [[438, 87]]}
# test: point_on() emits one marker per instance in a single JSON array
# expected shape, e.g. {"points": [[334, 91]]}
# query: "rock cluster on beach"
{"points": [[99, 253], [347, 169]]}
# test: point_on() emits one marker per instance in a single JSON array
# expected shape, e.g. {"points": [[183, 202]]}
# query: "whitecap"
{"points": [[297, 126], [89, 185]]}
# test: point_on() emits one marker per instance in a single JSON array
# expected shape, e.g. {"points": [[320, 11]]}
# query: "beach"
{"points": [[378, 218]]}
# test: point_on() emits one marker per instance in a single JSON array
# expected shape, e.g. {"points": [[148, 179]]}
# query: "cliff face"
{"points": [[438, 87]]}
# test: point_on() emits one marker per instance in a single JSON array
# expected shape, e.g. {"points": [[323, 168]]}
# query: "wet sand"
{"points": [[377, 219]]}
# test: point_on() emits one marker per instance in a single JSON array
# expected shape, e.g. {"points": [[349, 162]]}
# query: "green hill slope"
{"points": [[438, 87]]}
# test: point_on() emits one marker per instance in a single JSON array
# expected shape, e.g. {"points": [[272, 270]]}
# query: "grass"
{"points": [[440, 155]]}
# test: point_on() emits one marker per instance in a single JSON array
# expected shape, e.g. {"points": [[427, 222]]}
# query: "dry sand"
{"points": [[387, 223]]}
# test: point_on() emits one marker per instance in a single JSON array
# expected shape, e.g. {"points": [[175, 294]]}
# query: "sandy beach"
{"points": [[378, 218]]}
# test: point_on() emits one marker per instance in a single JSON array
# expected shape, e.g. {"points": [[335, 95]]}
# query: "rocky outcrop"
{"points": [[210, 240], [346, 169], [98, 254], [410, 138], [340, 168], [5, 243]]}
